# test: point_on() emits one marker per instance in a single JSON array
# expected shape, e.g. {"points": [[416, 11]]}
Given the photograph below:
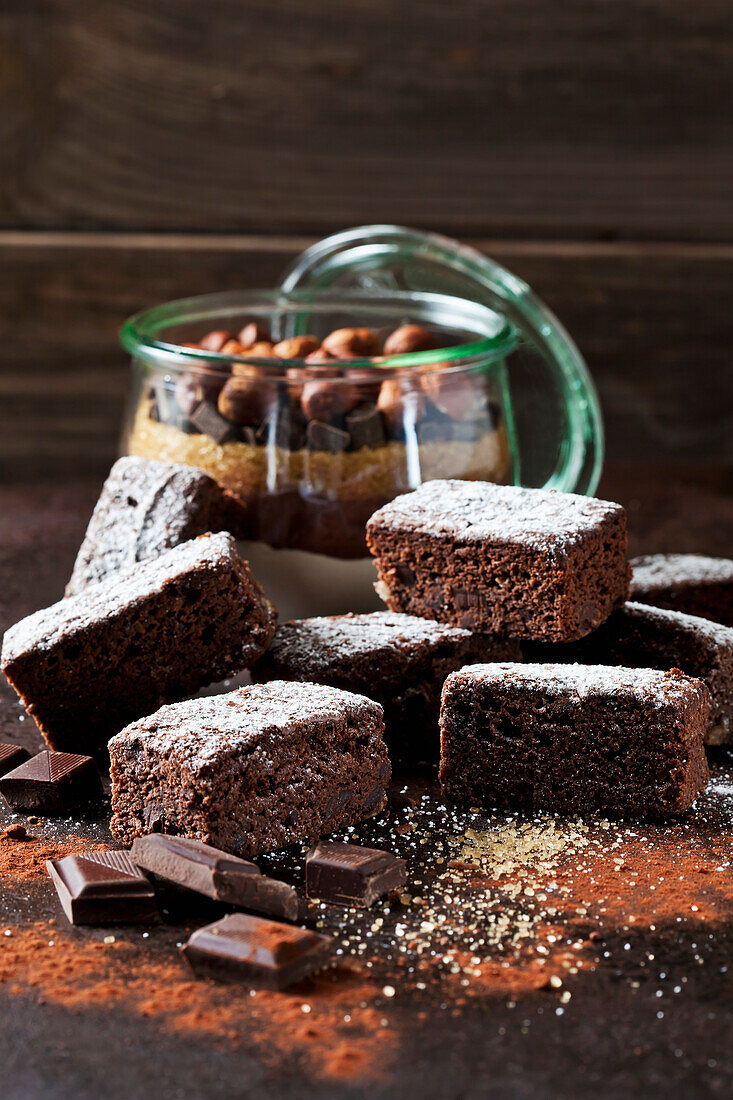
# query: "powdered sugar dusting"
{"points": [[334, 639], [714, 634], [145, 508], [478, 510], [586, 681], [655, 571], [200, 729], [103, 601]]}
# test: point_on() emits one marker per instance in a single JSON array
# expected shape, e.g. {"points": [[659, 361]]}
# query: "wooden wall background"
{"points": [[155, 148]]}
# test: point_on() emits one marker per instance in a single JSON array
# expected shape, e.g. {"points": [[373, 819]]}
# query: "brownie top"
{"points": [[705, 630], [102, 601], [651, 687], [199, 730], [333, 640], [662, 571], [479, 510], [157, 499]]}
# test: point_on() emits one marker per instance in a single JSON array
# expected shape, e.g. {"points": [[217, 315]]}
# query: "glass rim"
{"points": [[138, 333]]}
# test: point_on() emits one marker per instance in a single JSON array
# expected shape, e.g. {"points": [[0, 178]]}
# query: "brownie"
{"points": [[145, 508], [90, 664], [574, 739], [399, 660], [252, 771], [502, 560], [692, 583], [639, 636]]}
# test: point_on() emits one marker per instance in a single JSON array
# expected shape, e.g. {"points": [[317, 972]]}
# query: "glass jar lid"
{"points": [[555, 404]]}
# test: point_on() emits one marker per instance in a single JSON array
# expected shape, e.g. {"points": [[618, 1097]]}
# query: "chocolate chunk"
{"points": [[365, 427], [240, 948], [345, 874], [103, 888], [209, 420], [197, 866], [326, 437], [53, 783], [11, 757]]}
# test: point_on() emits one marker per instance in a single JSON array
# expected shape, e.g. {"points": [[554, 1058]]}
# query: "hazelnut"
{"points": [[399, 401], [247, 398], [257, 351], [194, 387], [297, 347], [232, 347], [214, 341], [323, 400], [453, 394], [320, 355], [253, 333], [409, 338], [352, 343]]}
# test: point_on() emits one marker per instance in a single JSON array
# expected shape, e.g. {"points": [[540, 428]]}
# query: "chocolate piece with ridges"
{"points": [[53, 783], [193, 865], [240, 948], [503, 560], [11, 757], [326, 437], [145, 508], [401, 661], [93, 662], [365, 427], [209, 420], [103, 888], [639, 636], [346, 874], [691, 583], [252, 771], [574, 739]]}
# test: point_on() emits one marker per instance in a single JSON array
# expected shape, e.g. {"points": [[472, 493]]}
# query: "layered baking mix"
{"points": [[314, 448]]}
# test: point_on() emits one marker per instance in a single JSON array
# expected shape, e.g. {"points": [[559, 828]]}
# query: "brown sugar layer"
{"points": [[145, 508], [401, 661], [93, 662], [692, 583], [315, 499], [639, 636], [503, 560], [574, 739], [252, 771]]}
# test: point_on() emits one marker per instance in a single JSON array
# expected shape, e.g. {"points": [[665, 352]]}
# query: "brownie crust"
{"points": [[691, 583], [401, 661], [90, 664], [639, 636], [574, 739], [251, 771], [496, 559]]}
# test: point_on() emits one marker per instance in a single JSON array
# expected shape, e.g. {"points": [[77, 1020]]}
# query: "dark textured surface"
{"points": [[609, 1044], [594, 118]]}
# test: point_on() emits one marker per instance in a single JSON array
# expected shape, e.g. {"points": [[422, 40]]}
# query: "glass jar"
{"points": [[310, 451]]}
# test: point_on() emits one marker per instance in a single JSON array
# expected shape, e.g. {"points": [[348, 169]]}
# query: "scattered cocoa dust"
{"points": [[23, 857], [326, 1021]]}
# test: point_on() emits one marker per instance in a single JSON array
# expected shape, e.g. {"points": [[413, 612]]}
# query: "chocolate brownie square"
{"points": [[501, 560], [574, 739], [692, 583], [252, 771], [399, 660], [91, 663], [145, 508], [639, 636]]}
